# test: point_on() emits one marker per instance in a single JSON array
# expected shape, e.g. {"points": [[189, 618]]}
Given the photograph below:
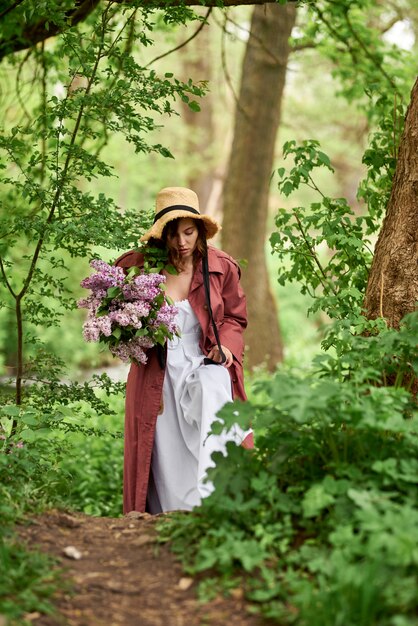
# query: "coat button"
{"points": [[205, 306]]}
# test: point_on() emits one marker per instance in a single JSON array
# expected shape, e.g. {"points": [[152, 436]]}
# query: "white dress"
{"points": [[192, 395]]}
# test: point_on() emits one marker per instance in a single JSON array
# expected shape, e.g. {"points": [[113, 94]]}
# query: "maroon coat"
{"points": [[145, 382]]}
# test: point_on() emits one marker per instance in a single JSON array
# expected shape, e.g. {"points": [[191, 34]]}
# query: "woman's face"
{"points": [[184, 239]]}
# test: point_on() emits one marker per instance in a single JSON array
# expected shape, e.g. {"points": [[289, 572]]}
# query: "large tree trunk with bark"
{"points": [[246, 191], [392, 289]]}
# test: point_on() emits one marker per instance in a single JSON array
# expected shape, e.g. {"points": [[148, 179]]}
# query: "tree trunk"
{"points": [[392, 289], [246, 192]]}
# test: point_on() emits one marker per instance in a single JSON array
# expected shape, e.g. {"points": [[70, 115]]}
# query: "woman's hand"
{"points": [[216, 355]]}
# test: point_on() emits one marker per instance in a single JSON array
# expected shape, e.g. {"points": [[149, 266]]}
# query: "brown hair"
{"points": [[175, 259]]}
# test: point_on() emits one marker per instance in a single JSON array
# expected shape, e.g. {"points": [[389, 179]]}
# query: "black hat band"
{"points": [[175, 207]]}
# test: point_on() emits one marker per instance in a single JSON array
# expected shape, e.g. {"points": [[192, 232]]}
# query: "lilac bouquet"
{"points": [[129, 312]]}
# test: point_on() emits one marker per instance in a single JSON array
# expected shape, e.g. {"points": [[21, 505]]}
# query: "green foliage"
{"points": [[324, 247], [30, 475], [26, 581], [327, 243], [94, 470], [349, 34], [380, 156], [86, 86], [319, 522], [41, 461]]}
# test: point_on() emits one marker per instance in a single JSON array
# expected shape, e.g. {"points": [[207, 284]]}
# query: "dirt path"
{"points": [[124, 577]]}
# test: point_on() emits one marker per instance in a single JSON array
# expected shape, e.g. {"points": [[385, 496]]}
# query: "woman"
{"points": [[171, 402]]}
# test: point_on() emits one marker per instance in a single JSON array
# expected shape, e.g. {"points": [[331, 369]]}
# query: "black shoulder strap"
{"points": [[205, 269]]}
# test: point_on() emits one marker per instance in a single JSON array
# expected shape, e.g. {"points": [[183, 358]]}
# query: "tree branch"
{"points": [[297, 47], [6, 280], [225, 70], [10, 8], [378, 64], [36, 32], [184, 43], [43, 29]]}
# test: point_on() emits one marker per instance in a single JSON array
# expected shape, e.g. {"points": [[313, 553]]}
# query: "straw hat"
{"points": [[174, 202]]}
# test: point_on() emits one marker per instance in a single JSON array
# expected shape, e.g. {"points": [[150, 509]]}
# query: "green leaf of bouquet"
{"points": [[117, 333], [170, 269], [134, 270], [142, 332], [114, 292]]}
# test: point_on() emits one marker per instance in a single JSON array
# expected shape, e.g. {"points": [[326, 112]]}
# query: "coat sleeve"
{"points": [[234, 321], [129, 259]]}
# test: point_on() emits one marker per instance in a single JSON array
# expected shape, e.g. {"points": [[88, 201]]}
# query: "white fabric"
{"points": [[192, 395]]}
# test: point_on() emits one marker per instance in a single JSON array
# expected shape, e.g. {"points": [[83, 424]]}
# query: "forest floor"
{"points": [[123, 576]]}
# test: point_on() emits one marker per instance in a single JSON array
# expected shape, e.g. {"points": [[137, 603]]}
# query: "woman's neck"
{"points": [[187, 268]]}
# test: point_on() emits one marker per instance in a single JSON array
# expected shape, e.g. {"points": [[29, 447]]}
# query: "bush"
{"points": [[320, 521]]}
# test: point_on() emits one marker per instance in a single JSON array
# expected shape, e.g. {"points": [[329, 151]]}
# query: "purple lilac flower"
{"points": [[133, 349], [91, 331], [144, 342], [107, 276], [132, 308], [144, 287], [121, 351], [93, 301], [167, 316], [104, 324], [129, 313], [120, 318]]}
